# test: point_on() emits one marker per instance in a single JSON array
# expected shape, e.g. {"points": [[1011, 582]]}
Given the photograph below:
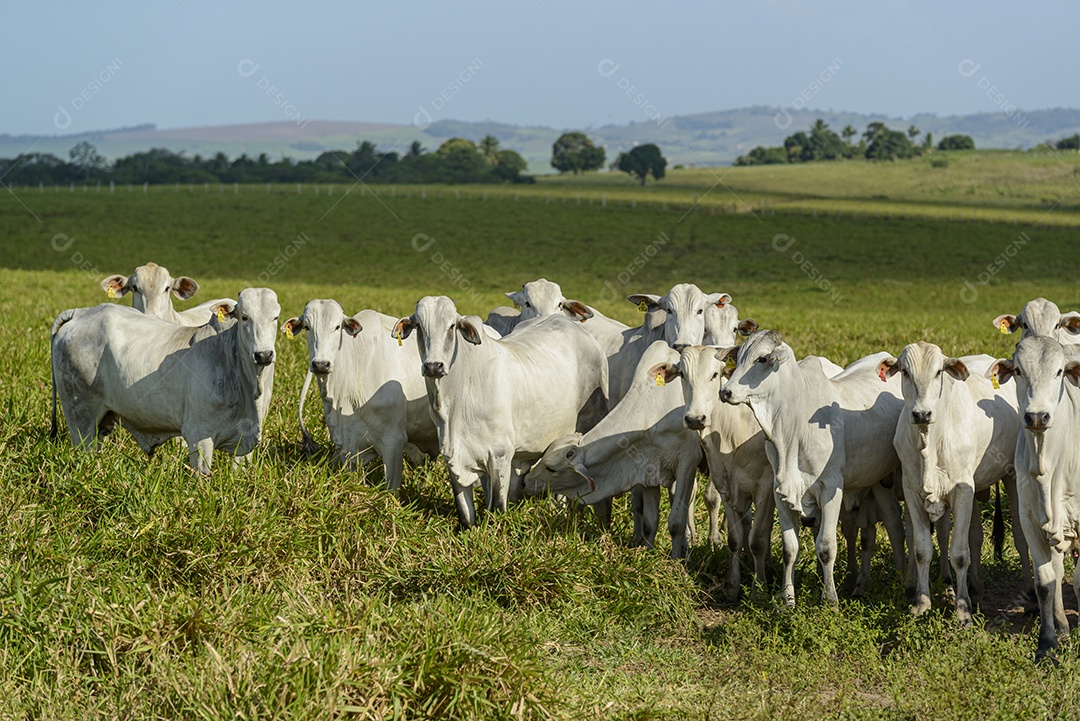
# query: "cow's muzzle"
{"points": [[434, 369], [263, 357], [320, 367], [694, 423], [1037, 421]]}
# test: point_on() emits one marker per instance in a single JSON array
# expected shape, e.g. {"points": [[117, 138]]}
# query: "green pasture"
{"points": [[291, 589]]}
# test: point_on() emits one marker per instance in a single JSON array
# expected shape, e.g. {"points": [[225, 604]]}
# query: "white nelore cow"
{"points": [[1041, 317], [734, 446], [374, 397], [150, 286], [955, 438], [826, 437], [1047, 470], [210, 384], [498, 403], [642, 442]]}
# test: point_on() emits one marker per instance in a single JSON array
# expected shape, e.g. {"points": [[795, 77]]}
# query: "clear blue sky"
{"points": [[175, 62]]}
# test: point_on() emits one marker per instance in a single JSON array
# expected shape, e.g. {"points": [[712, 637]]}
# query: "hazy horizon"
{"points": [[191, 63]]}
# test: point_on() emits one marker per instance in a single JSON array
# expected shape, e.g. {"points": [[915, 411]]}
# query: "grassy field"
{"points": [[290, 588]]}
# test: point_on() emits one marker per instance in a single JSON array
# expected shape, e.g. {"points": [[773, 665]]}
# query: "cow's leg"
{"points": [[737, 521], [849, 529], [867, 544], [637, 509], [602, 509], [760, 535], [681, 513], [889, 511], [789, 529], [1046, 579], [713, 504], [690, 529], [963, 498], [1027, 589], [830, 504], [392, 451], [975, 545], [201, 455], [1061, 623], [499, 468], [463, 499], [650, 515], [922, 547], [943, 529]]}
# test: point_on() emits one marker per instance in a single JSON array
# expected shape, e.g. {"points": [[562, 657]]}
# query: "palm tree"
{"points": [[848, 133], [913, 132], [489, 146]]}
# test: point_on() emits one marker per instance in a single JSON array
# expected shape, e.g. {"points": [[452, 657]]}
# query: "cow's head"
{"points": [[540, 298], [439, 325], [702, 369], [1041, 370], [685, 306], [150, 286], [1041, 317], [561, 470], [327, 328], [923, 369], [760, 358], [256, 313]]}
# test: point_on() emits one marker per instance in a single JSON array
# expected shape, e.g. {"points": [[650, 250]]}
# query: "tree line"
{"points": [[877, 142], [455, 161]]}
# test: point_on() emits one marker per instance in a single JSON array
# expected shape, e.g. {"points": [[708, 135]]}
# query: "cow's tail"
{"points": [[307, 443], [64, 317], [998, 533]]}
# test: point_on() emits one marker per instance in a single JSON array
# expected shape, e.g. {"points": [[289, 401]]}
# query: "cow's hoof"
{"points": [[920, 606]]}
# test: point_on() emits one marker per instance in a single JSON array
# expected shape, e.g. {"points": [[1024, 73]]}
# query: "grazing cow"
{"points": [[826, 436], [1047, 469], [1042, 317], [642, 442], [955, 438], [150, 286], [373, 394], [498, 403], [210, 384]]}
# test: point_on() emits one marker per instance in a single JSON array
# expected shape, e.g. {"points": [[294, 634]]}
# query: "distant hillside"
{"points": [[704, 139]]}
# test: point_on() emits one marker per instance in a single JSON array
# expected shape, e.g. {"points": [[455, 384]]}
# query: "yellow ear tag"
{"points": [[730, 362], [1005, 327], [112, 292], [221, 314], [399, 339], [994, 382], [516, 306], [643, 307], [660, 379], [288, 332]]}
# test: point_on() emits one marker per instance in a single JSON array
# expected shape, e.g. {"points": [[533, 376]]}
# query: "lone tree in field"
{"points": [[883, 143], [87, 159], [956, 142], [641, 161], [574, 152]]}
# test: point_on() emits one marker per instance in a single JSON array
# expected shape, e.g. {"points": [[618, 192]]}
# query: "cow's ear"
{"points": [[728, 356], [718, 299], [1070, 323], [293, 327], [576, 310], [517, 298], [403, 328], [887, 368], [664, 373], [224, 309], [1002, 368], [470, 331], [1072, 372], [645, 301], [116, 286], [956, 369], [351, 326], [1006, 323], [184, 287], [746, 327]]}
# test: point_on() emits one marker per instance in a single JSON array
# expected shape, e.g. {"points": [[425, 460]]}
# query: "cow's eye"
{"points": [[700, 311], [244, 318], [1059, 373], [337, 328], [937, 374], [714, 376], [762, 359], [528, 304]]}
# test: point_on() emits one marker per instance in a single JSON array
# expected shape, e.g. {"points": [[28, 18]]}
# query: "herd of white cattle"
{"points": [[558, 399]]}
